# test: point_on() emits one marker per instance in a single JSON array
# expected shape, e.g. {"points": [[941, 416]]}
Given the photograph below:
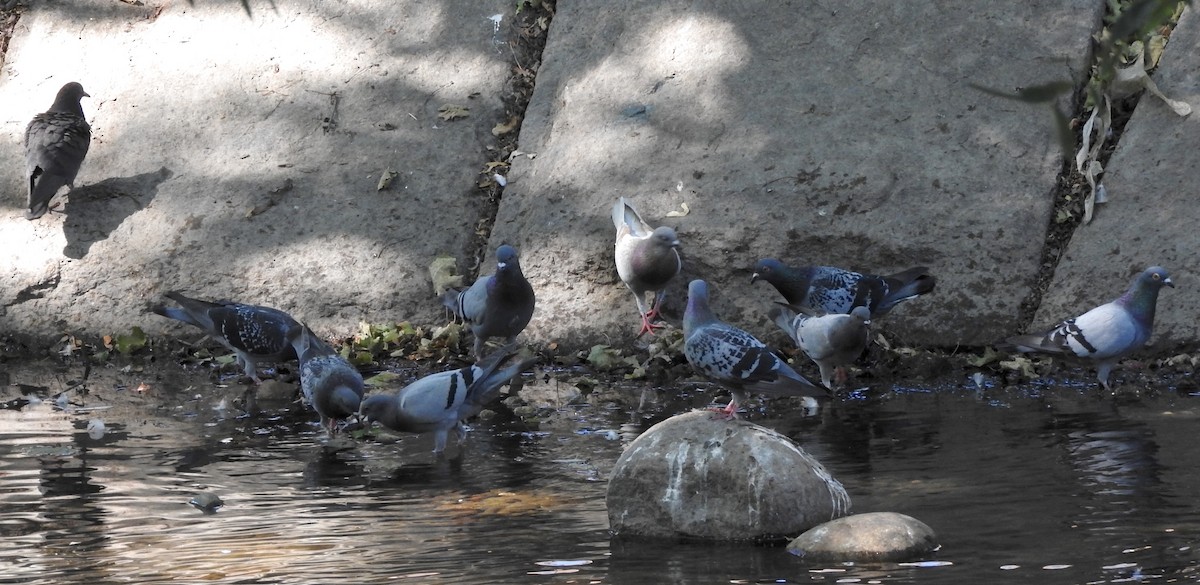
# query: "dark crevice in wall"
{"points": [[526, 41], [1069, 192]]}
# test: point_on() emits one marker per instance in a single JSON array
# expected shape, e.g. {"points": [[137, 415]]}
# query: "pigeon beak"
{"points": [[1167, 281], [754, 278], [501, 265], [86, 94]]}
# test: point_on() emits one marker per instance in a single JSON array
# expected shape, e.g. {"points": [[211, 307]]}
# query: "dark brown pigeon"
{"points": [[56, 141]]}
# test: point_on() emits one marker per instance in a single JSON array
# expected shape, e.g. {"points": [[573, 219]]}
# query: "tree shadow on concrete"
{"points": [[94, 211]]}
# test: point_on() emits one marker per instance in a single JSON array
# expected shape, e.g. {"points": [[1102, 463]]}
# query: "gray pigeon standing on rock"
{"points": [[253, 333], [827, 289], [831, 340], [499, 305], [329, 383], [735, 358], [442, 401], [647, 259], [1109, 332], [56, 141]]}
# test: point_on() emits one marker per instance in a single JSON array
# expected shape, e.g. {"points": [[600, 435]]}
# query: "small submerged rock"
{"points": [[700, 477], [874, 536], [206, 502]]}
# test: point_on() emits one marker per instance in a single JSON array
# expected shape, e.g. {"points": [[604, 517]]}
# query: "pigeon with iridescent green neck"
{"points": [[498, 305], [1106, 333]]}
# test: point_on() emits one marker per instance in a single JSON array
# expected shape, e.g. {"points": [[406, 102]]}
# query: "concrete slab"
{"points": [[1151, 216], [820, 133], [238, 157]]}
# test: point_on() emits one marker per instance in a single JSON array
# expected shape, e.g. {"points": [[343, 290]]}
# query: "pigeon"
{"points": [[442, 401], [827, 289], [1108, 332], [499, 305], [55, 143], [647, 259], [253, 333], [332, 386], [734, 357], [831, 340]]}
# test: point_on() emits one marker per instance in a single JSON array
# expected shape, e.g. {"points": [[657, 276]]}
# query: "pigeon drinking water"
{"points": [[332, 386], [440, 402], [831, 340]]}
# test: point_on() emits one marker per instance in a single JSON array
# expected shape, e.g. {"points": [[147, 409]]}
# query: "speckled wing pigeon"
{"points": [[499, 305], [647, 259], [735, 358], [329, 383], [835, 290], [1109, 332], [253, 333], [831, 340], [55, 143], [440, 402]]}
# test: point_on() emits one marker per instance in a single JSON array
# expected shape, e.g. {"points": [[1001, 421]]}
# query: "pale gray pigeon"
{"points": [[647, 259], [329, 383], [831, 340], [1109, 332], [56, 141], [252, 332], [499, 305], [734, 357], [827, 289], [442, 401]]}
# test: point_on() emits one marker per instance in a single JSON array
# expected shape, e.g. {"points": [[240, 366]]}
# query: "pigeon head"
{"points": [[767, 269], [375, 407], [697, 312], [664, 236], [68, 98], [1157, 277], [506, 258]]}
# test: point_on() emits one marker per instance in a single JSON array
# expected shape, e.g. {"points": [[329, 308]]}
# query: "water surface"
{"points": [[1048, 483]]}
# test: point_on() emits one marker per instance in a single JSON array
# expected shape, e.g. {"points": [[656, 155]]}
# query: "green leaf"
{"points": [[381, 379], [603, 357], [131, 342]]}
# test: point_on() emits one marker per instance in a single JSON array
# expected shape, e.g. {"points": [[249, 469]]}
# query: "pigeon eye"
{"points": [[1156, 276]]}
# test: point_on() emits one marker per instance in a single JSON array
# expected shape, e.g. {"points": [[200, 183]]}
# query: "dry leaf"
{"points": [[685, 211], [442, 271], [506, 127], [450, 112], [385, 180]]}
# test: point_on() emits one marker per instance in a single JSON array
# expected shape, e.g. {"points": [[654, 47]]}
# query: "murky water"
{"points": [[1051, 484]]}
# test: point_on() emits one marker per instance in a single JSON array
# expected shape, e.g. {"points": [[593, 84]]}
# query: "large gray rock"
{"points": [[238, 157], [696, 476], [874, 536], [843, 134], [1151, 215]]}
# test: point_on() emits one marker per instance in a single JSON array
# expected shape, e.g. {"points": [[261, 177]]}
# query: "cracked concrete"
{"points": [[238, 157]]}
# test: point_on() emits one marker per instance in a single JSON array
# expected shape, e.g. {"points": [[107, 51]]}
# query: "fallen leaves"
{"points": [[502, 503], [451, 112]]}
